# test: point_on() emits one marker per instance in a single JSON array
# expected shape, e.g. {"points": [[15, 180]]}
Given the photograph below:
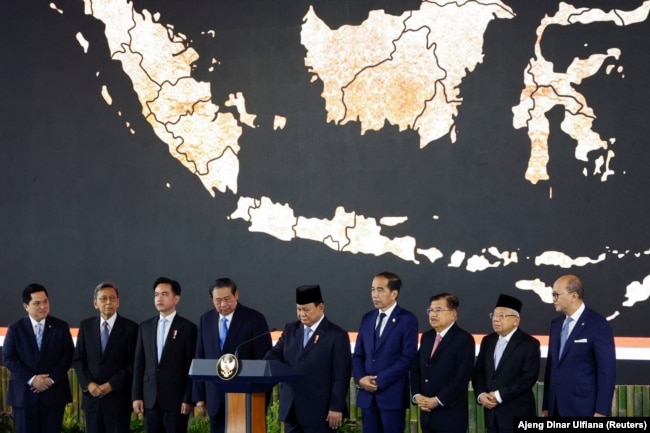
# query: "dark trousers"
{"points": [[97, 421], [38, 418], [383, 421], [157, 420], [291, 425], [500, 428], [218, 421]]}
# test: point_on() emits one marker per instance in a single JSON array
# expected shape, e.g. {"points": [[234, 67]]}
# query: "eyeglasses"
{"points": [[105, 299], [501, 316], [555, 295], [435, 311]]}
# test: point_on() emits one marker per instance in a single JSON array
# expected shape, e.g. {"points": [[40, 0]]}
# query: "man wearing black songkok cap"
{"points": [[506, 369], [320, 350]]}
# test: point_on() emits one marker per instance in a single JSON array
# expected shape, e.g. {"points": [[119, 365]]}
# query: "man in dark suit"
{"points": [[581, 364], [506, 369], [38, 352], [320, 350], [238, 326], [162, 388], [386, 345], [103, 360], [441, 372]]}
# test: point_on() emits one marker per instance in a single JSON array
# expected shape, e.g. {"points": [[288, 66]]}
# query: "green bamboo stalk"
{"points": [[473, 411], [622, 400]]}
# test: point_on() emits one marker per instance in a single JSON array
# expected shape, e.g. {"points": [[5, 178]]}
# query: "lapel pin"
{"points": [[174, 336], [316, 339], [393, 320]]}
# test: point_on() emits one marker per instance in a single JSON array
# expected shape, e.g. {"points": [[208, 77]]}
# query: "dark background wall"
{"points": [[82, 199]]}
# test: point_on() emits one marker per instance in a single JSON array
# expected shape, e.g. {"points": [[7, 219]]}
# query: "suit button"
{"points": [[426, 380]]}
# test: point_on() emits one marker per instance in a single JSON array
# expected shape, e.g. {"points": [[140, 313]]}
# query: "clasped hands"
{"points": [[426, 404], [368, 383], [488, 400], [41, 382], [99, 391]]}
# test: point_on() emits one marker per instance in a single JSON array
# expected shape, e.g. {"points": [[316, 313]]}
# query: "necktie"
{"points": [[498, 351], [435, 344], [307, 335], [565, 333], [104, 335], [378, 327], [223, 332], [161, 337], [39, 335]]}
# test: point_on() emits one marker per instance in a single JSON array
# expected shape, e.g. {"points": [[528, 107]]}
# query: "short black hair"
{"points": [[394, 281], [224, 282], [176, 287], [452, 300], [32, 288]]}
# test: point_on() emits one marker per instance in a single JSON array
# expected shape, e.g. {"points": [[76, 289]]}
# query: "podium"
{"points": [[246, 392]]}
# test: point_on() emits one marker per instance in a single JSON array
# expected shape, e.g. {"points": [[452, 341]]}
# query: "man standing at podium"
{"points": [[320, 350], [227, 328]]}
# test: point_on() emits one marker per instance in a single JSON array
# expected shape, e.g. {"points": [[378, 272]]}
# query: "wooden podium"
{"points": [[246, 392]]}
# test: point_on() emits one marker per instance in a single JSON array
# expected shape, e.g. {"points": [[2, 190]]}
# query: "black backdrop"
{"points": [[82, 199]]}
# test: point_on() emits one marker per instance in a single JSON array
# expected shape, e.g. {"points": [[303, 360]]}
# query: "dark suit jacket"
{"points": [[246, 324], [582, 381], [24, 360], [167, 383], [114, 366], [389, 360], [446, 375], [326, 365], [514, 378]]}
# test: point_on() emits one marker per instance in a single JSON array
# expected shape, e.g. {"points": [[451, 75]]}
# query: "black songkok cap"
{"points": [[511, 302], [308, 294]]}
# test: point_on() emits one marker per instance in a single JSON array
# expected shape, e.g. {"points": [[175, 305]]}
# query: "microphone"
{"points": [[253, 339]]}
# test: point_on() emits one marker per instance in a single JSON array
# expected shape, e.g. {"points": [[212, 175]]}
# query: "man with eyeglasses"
{"points": [[506, 369], [581, 364], [441, 372], [103, 360], [228, 327]]}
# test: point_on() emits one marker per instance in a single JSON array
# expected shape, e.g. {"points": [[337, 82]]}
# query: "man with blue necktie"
{"points": [[228, 327], [386, 345], [580, 372], [162, 388], [320, 350], [38, 352], [103, 361]]}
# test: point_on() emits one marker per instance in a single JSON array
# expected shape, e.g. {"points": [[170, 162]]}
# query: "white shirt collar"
{"points": [[315, 325], [111, 321], [170, 318]]}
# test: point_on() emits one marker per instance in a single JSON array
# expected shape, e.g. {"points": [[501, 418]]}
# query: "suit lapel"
{"points": [[445, 342], [575, 333], [391, 323], [515, 339], [112, 337], [171, 335], [313, 340], [26, 324]]}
